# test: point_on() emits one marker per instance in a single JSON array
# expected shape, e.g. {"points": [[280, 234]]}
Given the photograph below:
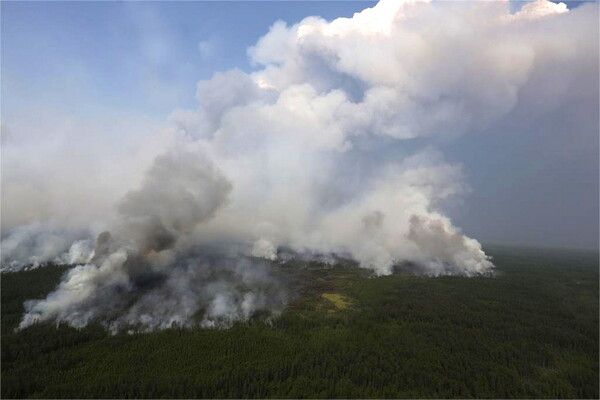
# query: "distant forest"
{"points": [[531, 331]]}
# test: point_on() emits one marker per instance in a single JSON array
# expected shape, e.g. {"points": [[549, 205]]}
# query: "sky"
{"points": [[136, 56], [92, 73]]}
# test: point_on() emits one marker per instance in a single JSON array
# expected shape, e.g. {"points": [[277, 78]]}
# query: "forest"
{"points": [[529, 331]]}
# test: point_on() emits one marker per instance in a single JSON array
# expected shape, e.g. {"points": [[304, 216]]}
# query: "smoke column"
{"points": [[327, 148]]}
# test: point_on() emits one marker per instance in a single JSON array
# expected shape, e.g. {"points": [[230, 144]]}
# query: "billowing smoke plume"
{"points": [[328, 148], [142, 260]]}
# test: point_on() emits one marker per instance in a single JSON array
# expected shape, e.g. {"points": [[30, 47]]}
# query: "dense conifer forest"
{"points": [[531, 331]]}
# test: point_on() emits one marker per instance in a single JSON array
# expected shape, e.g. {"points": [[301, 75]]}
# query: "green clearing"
{"points": [[529, 332]]}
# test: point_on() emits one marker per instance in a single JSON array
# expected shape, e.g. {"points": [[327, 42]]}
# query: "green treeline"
{"points": [[530, 331]]}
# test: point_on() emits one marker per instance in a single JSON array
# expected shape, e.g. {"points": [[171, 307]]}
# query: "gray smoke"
{"points": [[38, 243], [209, 293], [328, 148], [139, 272]]}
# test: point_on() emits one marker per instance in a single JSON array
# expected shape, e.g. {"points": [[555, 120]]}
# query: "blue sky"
{"points": [[139, 56]]}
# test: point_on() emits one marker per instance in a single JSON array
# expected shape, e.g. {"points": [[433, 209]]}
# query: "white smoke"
{"points": [[38, 243], [327, 148]]}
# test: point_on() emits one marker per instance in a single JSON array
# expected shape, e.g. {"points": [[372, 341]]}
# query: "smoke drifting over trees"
{"points": [[327, 148]]}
